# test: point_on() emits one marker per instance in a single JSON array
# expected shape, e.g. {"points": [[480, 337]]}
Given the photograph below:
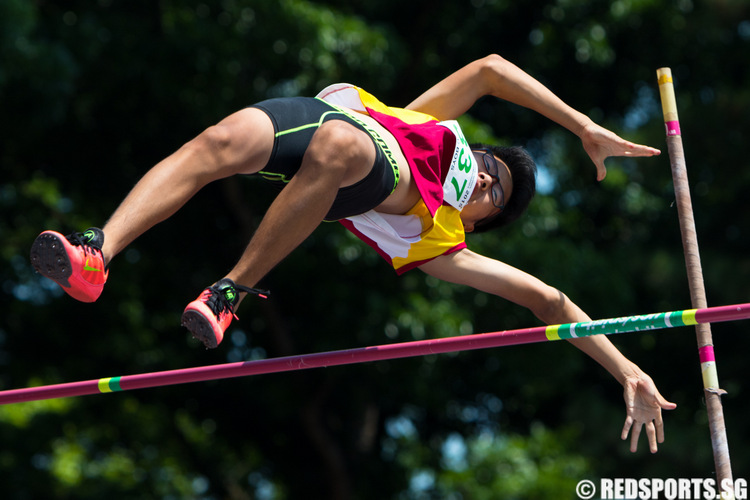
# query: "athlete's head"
{"points": [[522, 171]]}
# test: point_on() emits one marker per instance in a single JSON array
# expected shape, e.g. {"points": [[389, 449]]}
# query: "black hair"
{"points": [[523, 175]]}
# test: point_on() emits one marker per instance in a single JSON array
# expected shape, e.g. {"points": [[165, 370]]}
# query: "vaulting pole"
{"points": [[695, 275], [379, 353]]}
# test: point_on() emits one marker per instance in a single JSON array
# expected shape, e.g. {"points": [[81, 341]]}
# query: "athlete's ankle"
{"points": [[109, 249], [107, 258], [242, 279]]}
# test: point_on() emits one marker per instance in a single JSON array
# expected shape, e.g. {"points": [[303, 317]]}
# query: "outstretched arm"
{"points": [[642, 399], [498, 77]]}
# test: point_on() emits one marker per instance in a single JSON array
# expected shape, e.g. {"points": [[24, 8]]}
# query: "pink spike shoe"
{"points": [[75, 262], [209, 316]]}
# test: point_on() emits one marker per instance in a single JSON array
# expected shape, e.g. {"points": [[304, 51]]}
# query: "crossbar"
{"points": [[380, 353]]}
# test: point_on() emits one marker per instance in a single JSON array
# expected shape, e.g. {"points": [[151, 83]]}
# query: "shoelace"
{"points": [[84, 241], [80, 239], [263, 294], [220, 301]]}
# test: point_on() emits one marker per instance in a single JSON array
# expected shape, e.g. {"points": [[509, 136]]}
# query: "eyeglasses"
{"points": [[490, 163]]}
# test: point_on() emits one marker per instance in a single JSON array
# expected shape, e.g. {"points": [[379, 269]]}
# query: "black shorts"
{"points": [[295, 120]]}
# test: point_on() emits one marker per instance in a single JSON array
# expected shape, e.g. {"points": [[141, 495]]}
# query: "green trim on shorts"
{"points": [[274, 177], [376, 138], [309, 125]]}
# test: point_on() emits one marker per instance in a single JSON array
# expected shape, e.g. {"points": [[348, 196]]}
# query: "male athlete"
{"points": [[404, 180]]}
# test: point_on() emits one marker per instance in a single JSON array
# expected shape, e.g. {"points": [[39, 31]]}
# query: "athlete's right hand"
{"points": [[601, 143]]}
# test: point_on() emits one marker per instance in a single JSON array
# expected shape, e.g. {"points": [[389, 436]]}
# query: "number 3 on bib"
{"points": [[463, 170]]}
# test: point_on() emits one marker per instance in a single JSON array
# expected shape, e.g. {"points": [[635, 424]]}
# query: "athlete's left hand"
{"points": [[644, 404], [601, 143]]}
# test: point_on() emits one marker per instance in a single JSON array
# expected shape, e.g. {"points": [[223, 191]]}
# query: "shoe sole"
{"points": [[50, 259], [200, 328]]}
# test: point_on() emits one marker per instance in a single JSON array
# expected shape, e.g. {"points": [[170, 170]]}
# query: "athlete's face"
{"points": [[491, 193]]}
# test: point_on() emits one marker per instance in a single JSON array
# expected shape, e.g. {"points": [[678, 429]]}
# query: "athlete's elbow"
{"points": [[494, 60], [550, 305], [493, 72], [494, 66]]}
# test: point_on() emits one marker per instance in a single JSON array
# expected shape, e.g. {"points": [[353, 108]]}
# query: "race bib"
{"points": [[463, 172]]}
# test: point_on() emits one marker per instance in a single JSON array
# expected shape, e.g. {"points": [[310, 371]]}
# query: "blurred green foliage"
{"points": [[94, 93]]}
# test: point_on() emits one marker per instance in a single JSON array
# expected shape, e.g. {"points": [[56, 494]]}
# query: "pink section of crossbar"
{"points": [[723, 313]]}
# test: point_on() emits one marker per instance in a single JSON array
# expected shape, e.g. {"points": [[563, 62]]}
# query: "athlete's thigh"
{"points": [[250, 135]]}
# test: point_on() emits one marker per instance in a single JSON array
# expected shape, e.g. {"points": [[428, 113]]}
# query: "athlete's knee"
{"points": [[213, 144], [207, 154], [230, 147], [341, 147]]}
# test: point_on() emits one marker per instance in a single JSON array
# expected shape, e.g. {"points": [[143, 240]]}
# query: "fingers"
{"points": [[627, 149], [667, 405], [633, 149], [664, 404], [638, 150], [634, 435], [644, 404], [651, 434], [654, 433], [601, 171], [659, 424], [626, 428]]}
